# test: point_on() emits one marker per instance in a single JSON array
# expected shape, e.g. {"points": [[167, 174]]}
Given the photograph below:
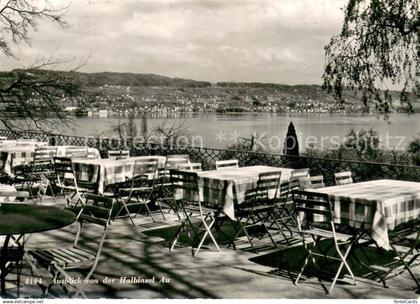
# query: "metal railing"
{"points": [[361, 170]]}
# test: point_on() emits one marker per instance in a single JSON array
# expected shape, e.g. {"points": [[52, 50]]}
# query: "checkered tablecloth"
{"points": [[15, 156], [110, 171], [227, 187], [92, 152], [12, 156], [378, 205]]}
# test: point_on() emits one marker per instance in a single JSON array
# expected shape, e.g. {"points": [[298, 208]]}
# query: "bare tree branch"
{"points": [[19, 17]]}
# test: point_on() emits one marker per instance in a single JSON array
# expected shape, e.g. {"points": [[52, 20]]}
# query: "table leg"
{"points": [[3, 262]]}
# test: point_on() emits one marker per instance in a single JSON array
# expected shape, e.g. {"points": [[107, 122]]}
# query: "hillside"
{"points": [[110, 90], [134, 80]]}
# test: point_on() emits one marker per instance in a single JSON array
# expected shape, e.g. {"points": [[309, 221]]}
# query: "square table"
{"points": [[378, 205], [12, 156], [226, 187], [110, 171]]}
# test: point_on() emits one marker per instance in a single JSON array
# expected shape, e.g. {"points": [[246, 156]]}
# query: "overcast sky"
{"points": [[280, 41]]}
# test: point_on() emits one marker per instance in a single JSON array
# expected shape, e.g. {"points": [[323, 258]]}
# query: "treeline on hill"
{"points": [[226, 90], [120, 79]]}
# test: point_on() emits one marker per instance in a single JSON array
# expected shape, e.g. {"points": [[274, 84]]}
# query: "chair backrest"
{"points": [[145, 167], [231, 163], [97, 210], [77, 152], [196, 167], [173, 163], [311, 182], [62, 165], [179, 156], [298, 173], [184, 180], [311, 206], [63, 169], [144, 176], [118, 154], [343, 178], [286, 189], [93, 153], [317, 181], [268, 182], [44, 155]]}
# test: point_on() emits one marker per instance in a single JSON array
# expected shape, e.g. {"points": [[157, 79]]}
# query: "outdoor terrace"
{"points": [[229, 274], [142, 250]]}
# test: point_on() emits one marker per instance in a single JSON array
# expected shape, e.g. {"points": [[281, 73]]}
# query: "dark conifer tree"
{"points": [[291, 145]]}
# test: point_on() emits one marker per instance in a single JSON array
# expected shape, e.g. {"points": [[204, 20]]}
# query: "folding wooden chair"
{"points": [[69, 184], [187, 184], [118, 154], [82, 255], [312, 209], [405, 243], [258, 207], [172, 163], [231, 163], [43, 156], [22, 178], [343, 178], [195, 167], [283, 216], [163, 192], [42, 168], [137, 192]]}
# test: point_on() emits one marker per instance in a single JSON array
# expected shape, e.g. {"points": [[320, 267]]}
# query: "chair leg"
{"points": [[308, 255], [243, 229], [208, 232], [124, 206], [266, 230], [146, 205], [343, 263], [178, 233], [161, 211], [19, 271], [405, 265]]}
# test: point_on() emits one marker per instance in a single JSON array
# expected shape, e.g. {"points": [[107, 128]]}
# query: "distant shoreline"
{"points": [[113, 114]]}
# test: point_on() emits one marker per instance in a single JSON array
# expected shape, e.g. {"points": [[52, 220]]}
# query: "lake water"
{"points": [[320, 130]]}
